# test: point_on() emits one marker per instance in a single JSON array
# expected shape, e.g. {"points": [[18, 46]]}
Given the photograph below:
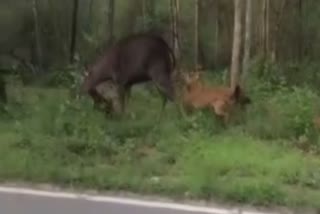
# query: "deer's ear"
{"points": [[195, 75], [186, 77], [199, 68], [85, 73], [86, 65], [86, 69]]}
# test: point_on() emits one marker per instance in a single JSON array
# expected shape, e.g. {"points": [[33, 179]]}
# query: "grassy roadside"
{"points": [[46, 138]]}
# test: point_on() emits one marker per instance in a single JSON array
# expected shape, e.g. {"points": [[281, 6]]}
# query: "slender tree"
{"points": [[89, 17], [3, 93], [148, 12], [235, 60], [267, 19], [265, 29], [129, 20], [276, 28], [196, 34], [175, 27], [300, 8], [151, 6], [74, 30], [247, 39], [216, 33], [110, 21], [37, 36], [144, 14]]}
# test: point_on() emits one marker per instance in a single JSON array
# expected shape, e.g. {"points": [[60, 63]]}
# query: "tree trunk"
{"points": [[148, 10], [3, 93], [262, 29], [175, 26], [196, 34], [247, 40], [129, 20], [201, 45], [216, 36], [276, 30], [300, 51], [267, 37], [89, 17], [144, 14], [74, 31], [149, 14], [38, 47], [265, 32], [151, 8], [110, 22], [236, 46]]}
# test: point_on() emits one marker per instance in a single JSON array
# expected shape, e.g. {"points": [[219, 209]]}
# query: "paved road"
{"points": [[22, 204], [22, 201]]}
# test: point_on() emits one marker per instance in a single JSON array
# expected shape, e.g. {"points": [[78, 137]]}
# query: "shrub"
{"points": [[288, 113]]}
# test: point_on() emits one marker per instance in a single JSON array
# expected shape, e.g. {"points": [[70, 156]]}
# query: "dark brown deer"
{"points": [[135, 59]]}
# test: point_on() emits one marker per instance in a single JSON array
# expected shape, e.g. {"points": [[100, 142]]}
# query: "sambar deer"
{"points": [[220, 99], [135, 59]]}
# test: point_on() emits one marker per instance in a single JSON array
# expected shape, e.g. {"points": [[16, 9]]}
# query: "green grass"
{"points": [[46, 136]]}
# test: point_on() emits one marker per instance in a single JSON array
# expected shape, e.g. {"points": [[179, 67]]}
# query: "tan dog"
{"points": [[220, 100]]}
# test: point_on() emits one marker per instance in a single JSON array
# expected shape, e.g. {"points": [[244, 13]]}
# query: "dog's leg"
{"points": [[220, 109]]}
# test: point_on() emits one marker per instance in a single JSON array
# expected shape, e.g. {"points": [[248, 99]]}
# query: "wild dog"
{"points": [[220, 99]]}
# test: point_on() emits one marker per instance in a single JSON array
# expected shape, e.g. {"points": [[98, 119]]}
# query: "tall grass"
{"points": [[47, 135]]}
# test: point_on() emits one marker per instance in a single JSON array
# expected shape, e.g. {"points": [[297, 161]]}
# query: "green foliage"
{"points": [[287, 113], [16, 21], [302, 74], [152, 22], [62, 139], [282, 109]]}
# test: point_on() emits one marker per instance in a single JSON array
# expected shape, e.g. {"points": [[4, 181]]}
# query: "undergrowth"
{"points": [[49, 135]]}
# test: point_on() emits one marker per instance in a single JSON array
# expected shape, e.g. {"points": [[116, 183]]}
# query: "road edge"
{"points": [[128, 201]]}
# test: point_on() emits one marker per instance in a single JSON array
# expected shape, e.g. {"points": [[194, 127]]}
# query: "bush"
{"points": [[64, 140], [288, 113]]}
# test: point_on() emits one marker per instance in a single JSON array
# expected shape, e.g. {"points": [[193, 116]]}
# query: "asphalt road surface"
{"points": [[27, 201]]}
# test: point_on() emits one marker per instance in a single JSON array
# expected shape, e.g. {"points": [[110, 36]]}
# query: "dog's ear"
{"points": [[236, 92], [240, 97]]}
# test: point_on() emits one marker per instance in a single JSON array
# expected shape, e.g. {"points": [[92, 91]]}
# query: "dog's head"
{"points": [[192, 77], [238, 96], [193, 80]]}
